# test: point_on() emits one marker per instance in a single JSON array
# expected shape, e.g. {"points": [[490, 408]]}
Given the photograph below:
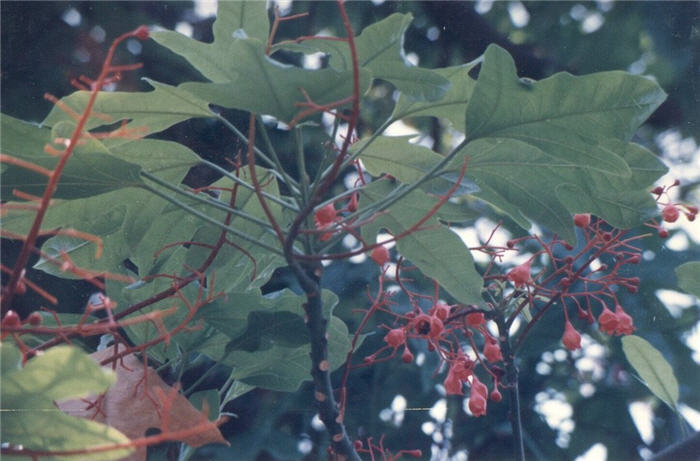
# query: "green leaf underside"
{"points": [[654, 370], [438, 252], [243, 77], [91, 169], [62, 372], [267, 342], [689, 277], [132, 223], [147, 112], [559, 146], [452, 106], [408, 163]]}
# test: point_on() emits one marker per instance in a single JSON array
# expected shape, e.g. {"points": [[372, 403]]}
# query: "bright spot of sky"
{"points": [[185, 28], [518, 14], [642, 415], [439, 411], [205, 8], [597, 452], [72, 17], [593, 22], [313, 60], [98, 34], [483, 6]]}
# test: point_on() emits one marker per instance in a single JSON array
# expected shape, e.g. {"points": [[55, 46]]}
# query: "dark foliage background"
{"points": [[41, 52]]}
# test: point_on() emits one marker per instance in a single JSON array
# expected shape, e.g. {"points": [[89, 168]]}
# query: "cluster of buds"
{"points": [[670, 211], [445, 329]]}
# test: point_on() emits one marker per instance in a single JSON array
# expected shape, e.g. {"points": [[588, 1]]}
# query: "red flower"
{"points": [[395, 337], [607, 321], [520, 275], [571, 338], [475, 319], [625, 324], [670, 213], [428, 325], [452, 383], [477, 403], [440, 310], [492, 351]]}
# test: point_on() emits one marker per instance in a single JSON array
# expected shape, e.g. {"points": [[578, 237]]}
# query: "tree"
{"points": [[210, 267]]}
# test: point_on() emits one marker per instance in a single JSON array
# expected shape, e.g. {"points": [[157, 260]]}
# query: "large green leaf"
{"points": [[132, 223], [651, 366], [147, 112], [234, 20], [269, 345], [547, 149], [689, 277], [452, 106], [437, 251], [408, 163], [30, 418], [380, 50], [91, 169], [244, 77], [265, 86], [249, 16]]}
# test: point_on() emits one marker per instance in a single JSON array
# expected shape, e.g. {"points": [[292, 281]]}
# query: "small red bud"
{"points": [[475, 318], [658, 190], [11, 320], [407, 356], [495, 396], [663, 233], [582, 220], [141, 33], [358, 444], [634, 259], [571, 338], [670, 213], [414, 453], [380, 255], [607, 236], [676, 182], [34, 319], [395, 337], [510, 243]]}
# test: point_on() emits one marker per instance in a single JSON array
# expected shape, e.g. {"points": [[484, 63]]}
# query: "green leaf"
{"points": [[559, 146], [262, 85], [30, 418], [147, 112], [269, 342], [10, 358], [689, 277], [437, 251], [408, 163], [452, 106], [380, 50], [215, 60], [654, 370], [91, 169], [131, 222], [250, 16], [211, 397], [596, 106]]}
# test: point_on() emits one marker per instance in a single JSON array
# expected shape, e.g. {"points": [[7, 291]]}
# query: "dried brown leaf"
{"points": [[138, 401]]}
